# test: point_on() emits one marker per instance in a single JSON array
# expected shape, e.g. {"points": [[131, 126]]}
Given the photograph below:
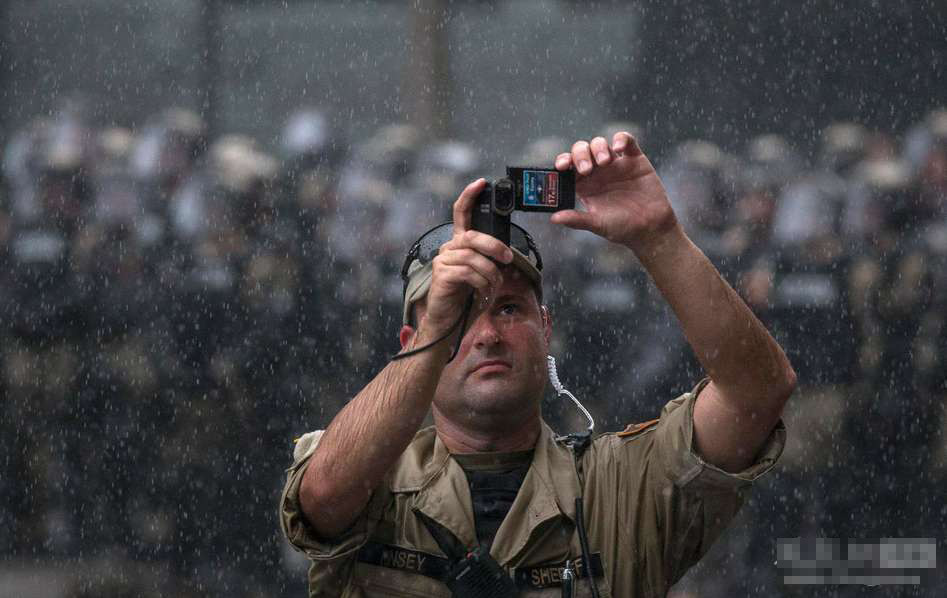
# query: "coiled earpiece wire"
{"points": [[578, 441], [561, 390]]}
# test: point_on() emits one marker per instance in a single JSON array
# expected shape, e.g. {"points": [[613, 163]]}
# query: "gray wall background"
{"points": [[513, 71], [500, 72], [133, 58]]}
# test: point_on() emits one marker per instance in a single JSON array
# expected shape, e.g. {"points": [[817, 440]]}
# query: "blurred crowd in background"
{"points": [[176, 309]]}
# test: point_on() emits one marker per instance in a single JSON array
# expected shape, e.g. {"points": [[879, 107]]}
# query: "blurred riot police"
{"points": [[891, 423], [700, 181], [818, 202]]}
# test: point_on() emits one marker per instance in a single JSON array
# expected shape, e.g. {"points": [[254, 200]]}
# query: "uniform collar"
{"points": [[549, 490], [421, 461]]}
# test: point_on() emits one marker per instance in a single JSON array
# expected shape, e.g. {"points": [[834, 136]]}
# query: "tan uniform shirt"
{"points": [[652, 509]]}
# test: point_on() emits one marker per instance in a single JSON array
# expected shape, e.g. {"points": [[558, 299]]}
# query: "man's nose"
{"points": [[486, 331]]}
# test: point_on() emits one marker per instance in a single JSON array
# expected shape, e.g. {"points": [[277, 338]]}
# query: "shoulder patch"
{"points": [[306, 444], [633, 429]]}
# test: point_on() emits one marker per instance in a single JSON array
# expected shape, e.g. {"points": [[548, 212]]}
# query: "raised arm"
{"points": [[751, 378], [367, 436]]}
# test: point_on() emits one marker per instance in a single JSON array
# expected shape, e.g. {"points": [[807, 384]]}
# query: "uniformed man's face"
{"points": [[500, 368]]}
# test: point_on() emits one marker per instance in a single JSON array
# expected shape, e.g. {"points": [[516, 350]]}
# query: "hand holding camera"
{"points": [[625, 203], [466, 259], [625, 200]]}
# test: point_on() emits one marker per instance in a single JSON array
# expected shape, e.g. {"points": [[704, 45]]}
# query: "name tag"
{"points": [[550, 575], [436, 567], [395, 557]]}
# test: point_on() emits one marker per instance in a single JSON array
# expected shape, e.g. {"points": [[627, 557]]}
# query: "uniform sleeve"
{"points": [[294, 524], [671, 505], [674, 446], [696, 500]]}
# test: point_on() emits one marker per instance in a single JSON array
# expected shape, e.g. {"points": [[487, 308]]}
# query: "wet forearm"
{"points": [[732, 345], [365, 439]]}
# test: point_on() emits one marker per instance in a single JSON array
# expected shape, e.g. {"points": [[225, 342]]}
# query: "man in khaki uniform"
{"points": [[383, 509]]}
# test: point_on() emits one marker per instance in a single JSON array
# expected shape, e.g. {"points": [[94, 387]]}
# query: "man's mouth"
{"points": [[492, 365]]}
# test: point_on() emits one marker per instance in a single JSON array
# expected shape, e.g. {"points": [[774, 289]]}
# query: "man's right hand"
{"points": [[466, 263]]}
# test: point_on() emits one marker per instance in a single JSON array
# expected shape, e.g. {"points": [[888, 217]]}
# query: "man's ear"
{"points": [[405, 335], [547, 323]]}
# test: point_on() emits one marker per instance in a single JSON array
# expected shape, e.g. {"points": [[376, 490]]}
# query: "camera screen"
{"points": [[540, 188]]}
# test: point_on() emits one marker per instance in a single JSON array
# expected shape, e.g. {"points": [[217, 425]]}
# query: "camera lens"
{"points": [[503, 197]]}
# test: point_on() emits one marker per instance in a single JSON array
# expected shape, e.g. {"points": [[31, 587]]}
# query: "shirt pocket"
{"points": [[372, 581], [582, 590]]}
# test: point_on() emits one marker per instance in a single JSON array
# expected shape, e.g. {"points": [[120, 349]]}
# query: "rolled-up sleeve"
{"points": [[675, 503], [674, 442], [294, 524]]}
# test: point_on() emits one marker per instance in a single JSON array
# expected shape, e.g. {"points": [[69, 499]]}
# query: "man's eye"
{"points": [[509, 308]]}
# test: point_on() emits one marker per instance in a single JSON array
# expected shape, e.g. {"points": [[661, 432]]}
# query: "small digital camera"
{"points": [[524, 189]]}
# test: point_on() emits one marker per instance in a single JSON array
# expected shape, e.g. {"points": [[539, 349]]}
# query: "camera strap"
{"points": [[461, 321]]}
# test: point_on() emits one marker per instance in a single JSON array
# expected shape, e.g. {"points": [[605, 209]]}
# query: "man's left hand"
{"points": [[625, 200]]}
